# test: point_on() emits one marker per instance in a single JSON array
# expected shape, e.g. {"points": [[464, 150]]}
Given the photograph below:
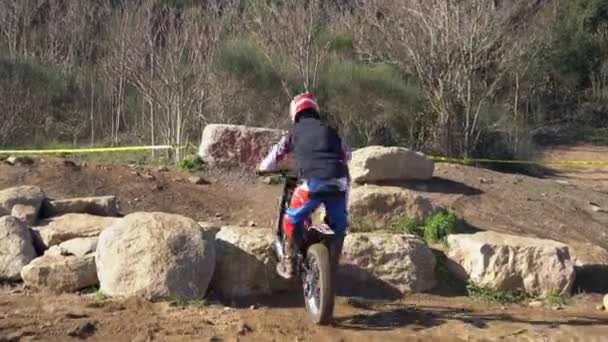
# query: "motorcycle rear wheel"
{"points": [[318, 285]]}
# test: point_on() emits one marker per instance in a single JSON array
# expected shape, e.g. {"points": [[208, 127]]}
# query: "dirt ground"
{"points": [[561, 206], [48, 317], [229, 197]]}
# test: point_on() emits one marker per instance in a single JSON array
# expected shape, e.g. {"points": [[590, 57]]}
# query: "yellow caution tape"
{"points": [[434, 158], [92, 149], [528, 162]]}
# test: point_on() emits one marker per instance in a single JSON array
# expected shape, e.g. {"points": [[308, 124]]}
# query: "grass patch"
{"points": [[435, 228], [506, 297], [501, 297], [442, 223], [198, 301], [98, 296], [556, 299], [407, 225], [191, 163]]}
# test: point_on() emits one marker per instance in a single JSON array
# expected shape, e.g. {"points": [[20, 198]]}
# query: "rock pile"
{"points": [[51, 243]]}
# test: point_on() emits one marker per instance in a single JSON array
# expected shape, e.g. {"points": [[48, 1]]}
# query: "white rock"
{"points": [[403, 262], [505, 262], [26, 213], [100, 205], [155, 255], [16, 248], [197, 180], [60, 273], [246, 265], [55, 251], [79, 246], [381, 164], [606, 302], [378, 205], [21, 195], [19, 160], [58, 229]]}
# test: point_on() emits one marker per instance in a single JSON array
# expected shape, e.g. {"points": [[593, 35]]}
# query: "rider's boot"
{"points": [[285, 268]]}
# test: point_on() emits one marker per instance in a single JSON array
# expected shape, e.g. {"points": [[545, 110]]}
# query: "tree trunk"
{"points": [[92, 115]]}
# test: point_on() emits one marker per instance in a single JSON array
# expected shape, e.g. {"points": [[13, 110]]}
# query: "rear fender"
{"points": [[323, 229]]}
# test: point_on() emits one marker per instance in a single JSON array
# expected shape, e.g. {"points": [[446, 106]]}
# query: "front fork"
{"points": [[288, 188]]}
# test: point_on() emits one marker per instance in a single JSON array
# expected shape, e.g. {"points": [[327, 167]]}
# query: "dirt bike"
{"points": [[316, 250]]}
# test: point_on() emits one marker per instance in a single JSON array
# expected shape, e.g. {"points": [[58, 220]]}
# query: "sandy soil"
{"points": [[39, 316], [590, 177]]}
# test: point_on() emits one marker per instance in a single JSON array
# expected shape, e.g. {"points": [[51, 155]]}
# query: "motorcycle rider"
{"points": [[322, 157]]}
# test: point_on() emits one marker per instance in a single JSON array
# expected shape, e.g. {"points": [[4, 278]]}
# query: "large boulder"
{"points": [[234, 145], [101, 205], [389, 164], [377, 206], [16, 248], [502, 262], [60, 273], [155, 255], [385, 262], [56, 230], [27, 199], [246, 265]]}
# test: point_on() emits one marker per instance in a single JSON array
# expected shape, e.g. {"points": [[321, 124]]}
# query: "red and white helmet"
{"points": [[302, 102]]}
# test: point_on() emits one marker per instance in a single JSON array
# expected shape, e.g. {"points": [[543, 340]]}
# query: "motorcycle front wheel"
{"points": [[318, 285]]}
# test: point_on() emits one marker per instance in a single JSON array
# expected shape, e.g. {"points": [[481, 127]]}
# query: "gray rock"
{"points": [[377, 206], [246, 265], [100, 206], [26, 213], [60, 273], [380, 164], [28, 196], [79, 246], [402, 262], [16, 248], [58, 229], [507, 263], [19, 160]]}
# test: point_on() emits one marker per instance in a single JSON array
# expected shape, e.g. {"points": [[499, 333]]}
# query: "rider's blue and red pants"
{"points": [[307, 198]]}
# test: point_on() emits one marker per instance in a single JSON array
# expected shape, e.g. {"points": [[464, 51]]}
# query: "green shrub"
{"points": [[502, 297], [98, 296], [441, 224], [407, 225], [556, 299], [198, 301], [191, 163]]}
